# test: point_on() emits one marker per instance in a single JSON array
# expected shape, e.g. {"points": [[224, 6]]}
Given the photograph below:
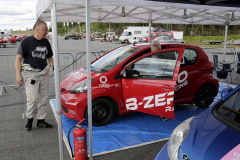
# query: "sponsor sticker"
{"points": [[104, 83], [234, 154]]}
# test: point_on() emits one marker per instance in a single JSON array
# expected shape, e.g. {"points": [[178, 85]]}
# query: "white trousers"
{"points": [[37, 96]]}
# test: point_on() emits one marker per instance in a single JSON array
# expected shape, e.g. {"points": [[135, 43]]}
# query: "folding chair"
{"points": [[222, 70], [238, 64]]}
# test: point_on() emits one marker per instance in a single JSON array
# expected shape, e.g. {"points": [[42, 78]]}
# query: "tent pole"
{"points": [[225, 42], [150, 26], [57, 84], [89, 89]]}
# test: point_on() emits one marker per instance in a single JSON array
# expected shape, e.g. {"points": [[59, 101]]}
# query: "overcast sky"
{"points": [[17, 14]]}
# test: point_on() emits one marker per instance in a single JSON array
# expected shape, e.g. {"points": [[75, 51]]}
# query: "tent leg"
{"points": [[150, 26], [89, 89], [225, 42], [57, 84]]}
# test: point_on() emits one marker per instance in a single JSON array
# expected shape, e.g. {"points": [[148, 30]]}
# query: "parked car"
{"points": [[91, 37], [167, 39], [132, 78], [155, 35], [4, 40], [20, 37], [211, 135], [72, 36]]}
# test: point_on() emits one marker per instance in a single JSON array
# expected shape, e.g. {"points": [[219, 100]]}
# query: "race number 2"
{"points": [[162, 99]]}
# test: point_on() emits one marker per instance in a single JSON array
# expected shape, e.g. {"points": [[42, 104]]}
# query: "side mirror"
{"points": [[125, 73], [135, 73], [225, 91]]}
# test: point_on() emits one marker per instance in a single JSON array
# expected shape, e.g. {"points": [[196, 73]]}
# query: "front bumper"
{"points": [[73, 105], [162, 154]]}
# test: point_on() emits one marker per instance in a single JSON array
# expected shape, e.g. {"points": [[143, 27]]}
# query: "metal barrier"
{"points": [[7, 72], [67, 63], [81, 60], [230, 54], [228, 61]]}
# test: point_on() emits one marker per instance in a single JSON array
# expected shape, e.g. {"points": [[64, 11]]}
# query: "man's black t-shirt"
{"points": [[35, 52]]}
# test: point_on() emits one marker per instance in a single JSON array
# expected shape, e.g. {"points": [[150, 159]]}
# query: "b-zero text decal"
{"points": [[160, 100]]}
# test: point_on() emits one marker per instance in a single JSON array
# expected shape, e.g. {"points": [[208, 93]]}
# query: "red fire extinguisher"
{"points": [[80, 142]]}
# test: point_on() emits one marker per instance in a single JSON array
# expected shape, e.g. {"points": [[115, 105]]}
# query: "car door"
{"points": [[189, 73], [148, 82]]}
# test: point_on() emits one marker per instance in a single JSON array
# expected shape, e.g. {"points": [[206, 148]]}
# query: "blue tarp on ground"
{"points": [[135, 128]]}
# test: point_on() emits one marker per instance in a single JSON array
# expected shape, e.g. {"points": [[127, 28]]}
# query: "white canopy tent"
{"points": [[124, 11]]}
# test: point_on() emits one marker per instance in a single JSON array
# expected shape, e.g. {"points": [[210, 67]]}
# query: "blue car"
{"points": [[211, 135]]}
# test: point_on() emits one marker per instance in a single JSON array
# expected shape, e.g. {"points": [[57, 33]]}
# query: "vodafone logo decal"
{"points": [[103, 79], [182, 80], [182, 76]]}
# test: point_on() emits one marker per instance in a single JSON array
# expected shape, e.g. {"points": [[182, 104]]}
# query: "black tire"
{"points": [[102, 112], [204, 96], [66, 38], [126, 41]]}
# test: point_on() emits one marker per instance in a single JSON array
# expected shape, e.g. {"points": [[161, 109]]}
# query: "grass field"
{"points": [[196, 40]]}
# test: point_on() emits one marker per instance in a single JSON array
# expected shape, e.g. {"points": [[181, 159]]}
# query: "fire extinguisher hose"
{"points": [[69, 139]]}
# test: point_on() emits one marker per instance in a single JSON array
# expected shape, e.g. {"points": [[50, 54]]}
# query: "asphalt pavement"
{"points": [[42, 144]]}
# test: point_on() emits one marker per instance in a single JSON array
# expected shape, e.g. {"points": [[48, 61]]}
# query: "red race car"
{"points": [[20, 37], [132, 78], [92, 38], [6, 40]]}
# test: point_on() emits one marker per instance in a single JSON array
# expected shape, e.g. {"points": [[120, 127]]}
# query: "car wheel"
{"points": [[102, 112], [204, 96], [126, 41], [66, 38]]}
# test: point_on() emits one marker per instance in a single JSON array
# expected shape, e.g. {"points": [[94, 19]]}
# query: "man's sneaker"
{"points": [[29, 124], [42, 124]]}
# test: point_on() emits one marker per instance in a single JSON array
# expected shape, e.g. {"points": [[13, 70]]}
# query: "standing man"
{"points": [[33, 61]]}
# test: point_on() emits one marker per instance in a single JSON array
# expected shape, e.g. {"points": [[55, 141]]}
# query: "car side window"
{"points": [[154, 35], [231, 106], [160, 65], [189, 57], [159, 34]]}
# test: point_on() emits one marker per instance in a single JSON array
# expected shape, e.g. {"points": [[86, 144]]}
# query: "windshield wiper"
{"points": [[92, 70]]}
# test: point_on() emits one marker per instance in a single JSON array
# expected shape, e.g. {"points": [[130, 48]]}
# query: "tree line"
{"points": [[188, 30]]}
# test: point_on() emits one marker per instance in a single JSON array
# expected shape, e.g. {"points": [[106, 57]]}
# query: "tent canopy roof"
{"points": [[223, 3], [137, 11]]}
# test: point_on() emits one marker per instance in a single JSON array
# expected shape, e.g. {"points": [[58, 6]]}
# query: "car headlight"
{"points": [[79, 88], [177, 137]]}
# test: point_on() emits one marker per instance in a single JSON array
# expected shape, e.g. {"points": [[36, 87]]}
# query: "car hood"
{"points": [[75, 77], [208, 138]]}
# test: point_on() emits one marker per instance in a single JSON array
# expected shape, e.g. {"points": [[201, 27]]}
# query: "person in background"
{"points": [[155, 46], [33, 62]]}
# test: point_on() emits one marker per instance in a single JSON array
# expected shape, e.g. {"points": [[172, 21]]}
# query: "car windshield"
{"points": [[125, 33], [229, 111], [112, 59]]}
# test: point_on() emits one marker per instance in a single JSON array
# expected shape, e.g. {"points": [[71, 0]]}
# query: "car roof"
{"points": [[163, 45]]}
